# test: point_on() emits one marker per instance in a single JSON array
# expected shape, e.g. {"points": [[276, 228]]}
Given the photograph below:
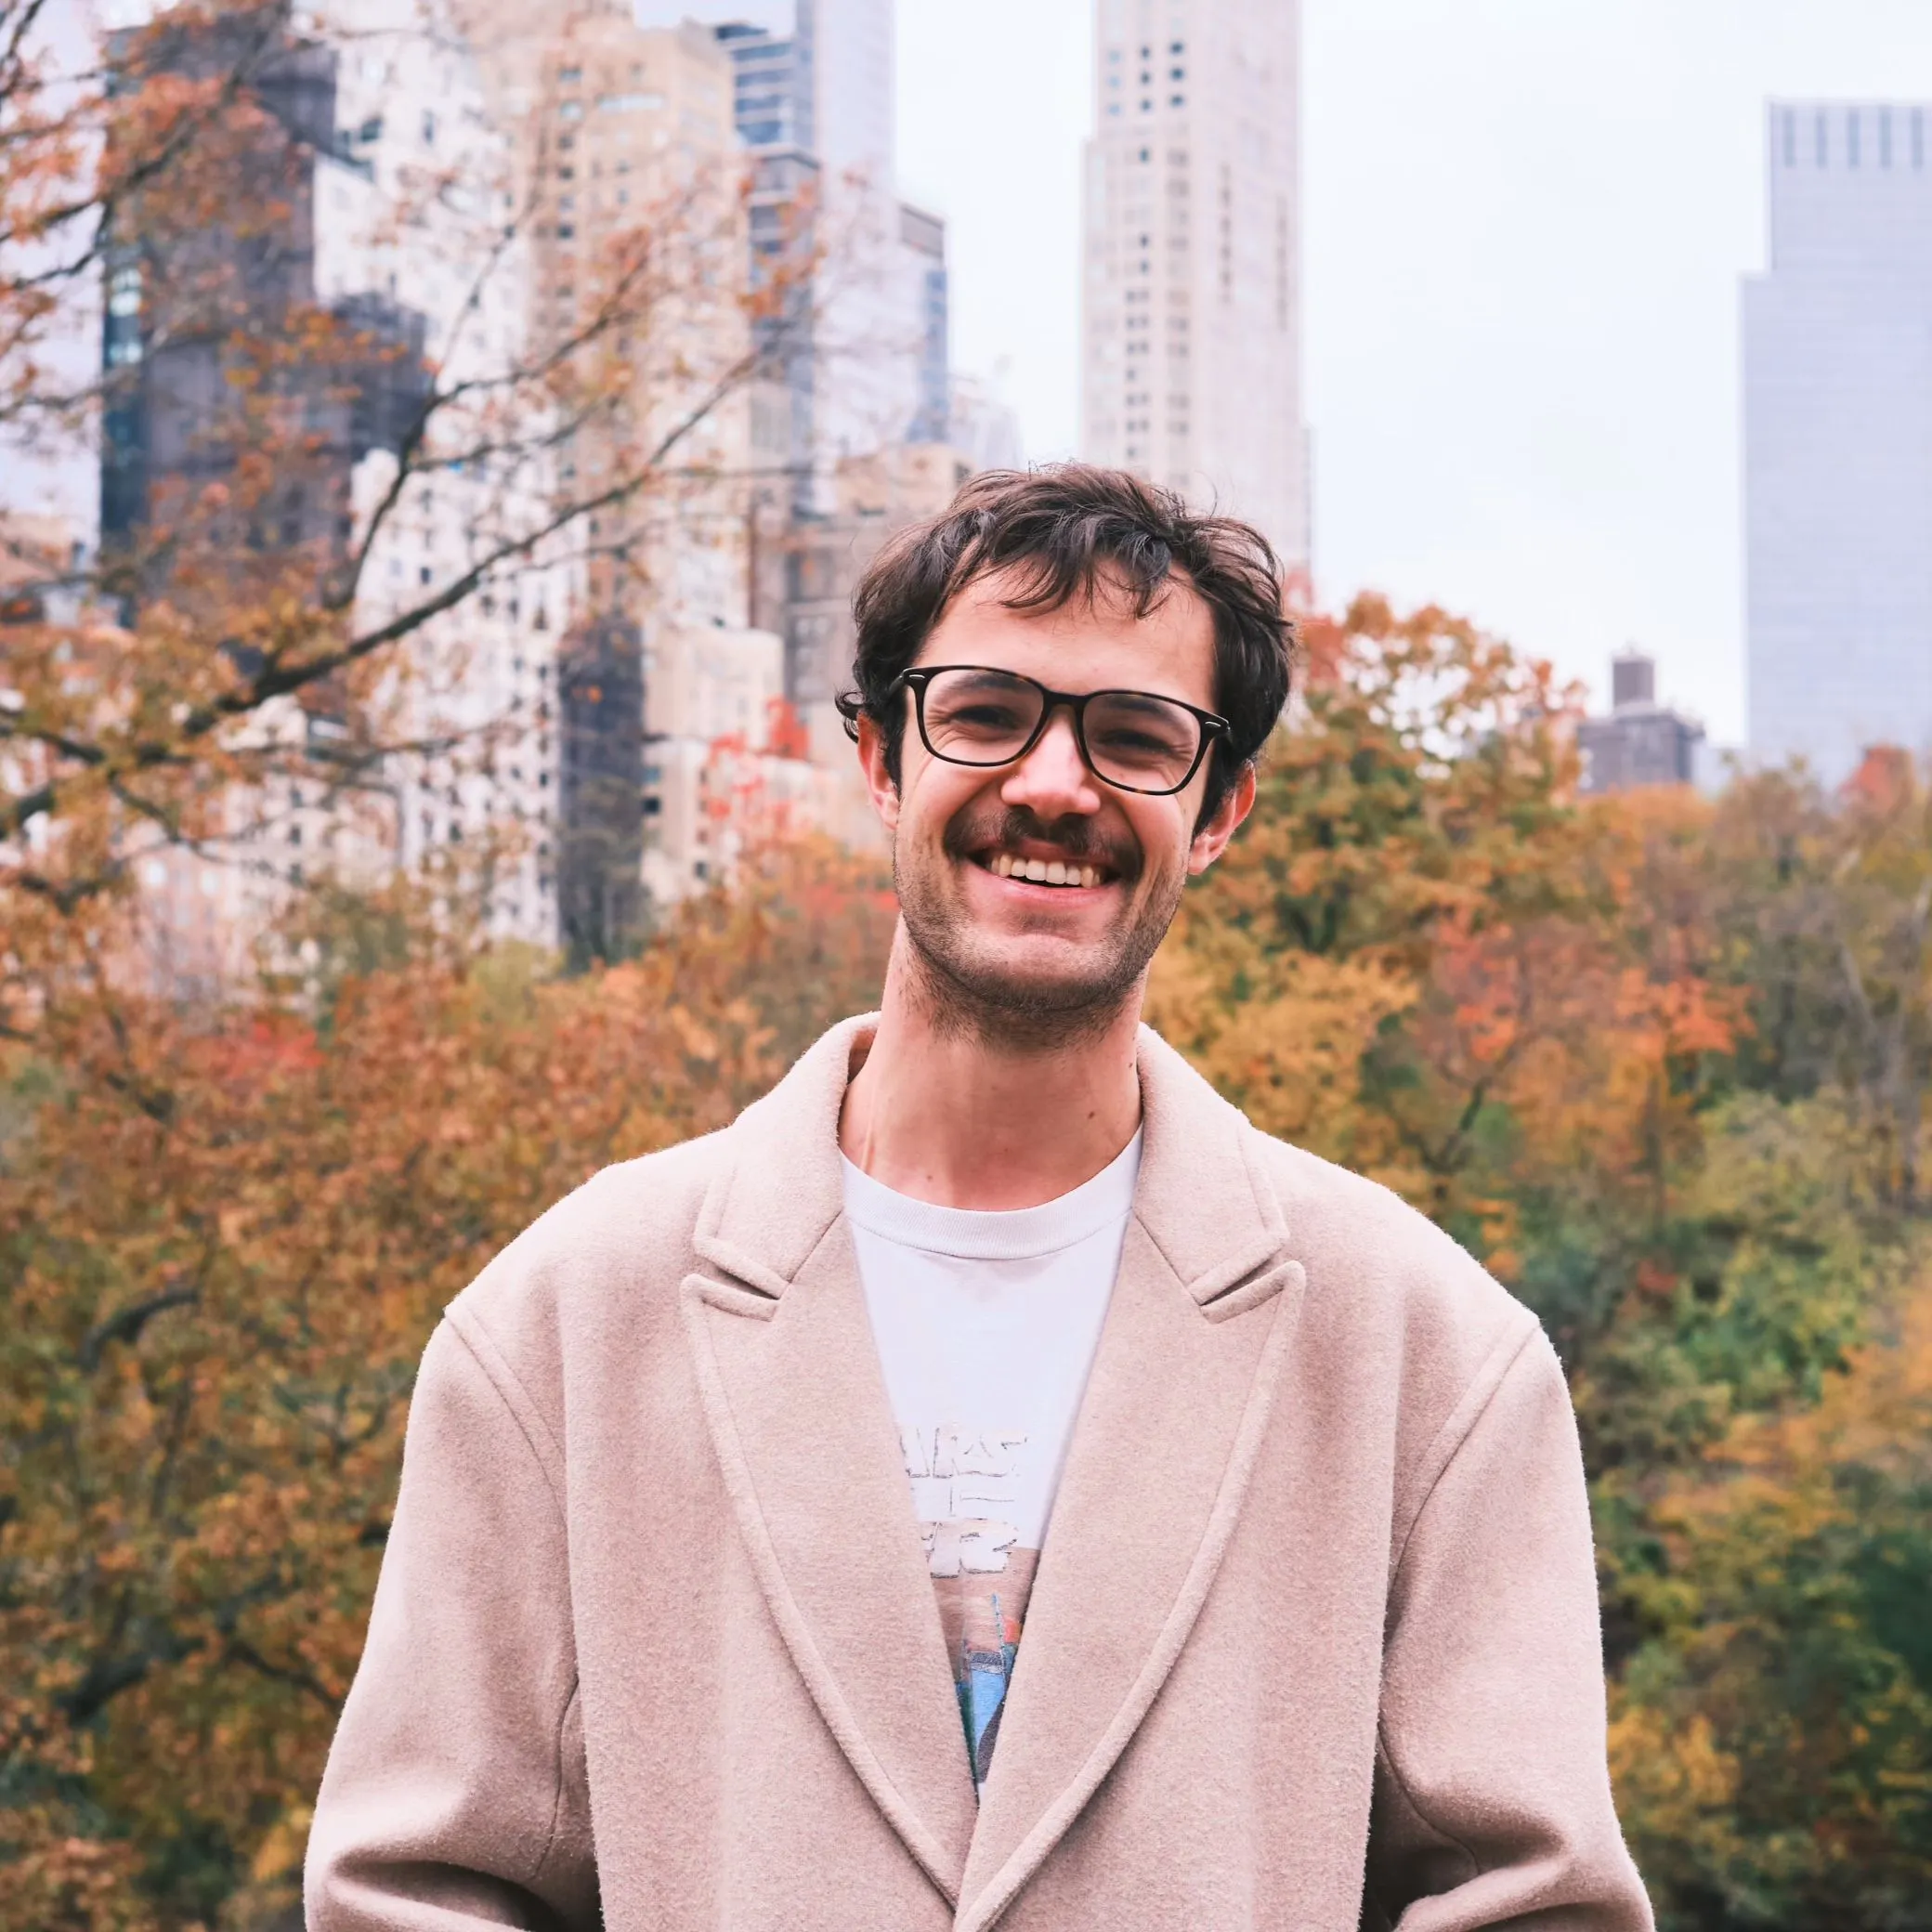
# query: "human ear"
{"points": [[885, 794], [1211, 841]]}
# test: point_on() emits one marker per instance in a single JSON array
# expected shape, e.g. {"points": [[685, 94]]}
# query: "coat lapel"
{"points": [[1202, 1312], [798, 1413]]}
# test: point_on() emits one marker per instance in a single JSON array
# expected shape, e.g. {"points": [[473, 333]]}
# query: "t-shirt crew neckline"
{"points": [[995, 1234]]}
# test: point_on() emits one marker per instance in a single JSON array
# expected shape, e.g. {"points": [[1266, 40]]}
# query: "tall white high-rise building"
{"points": [[1193, 289], [1838, 438]]}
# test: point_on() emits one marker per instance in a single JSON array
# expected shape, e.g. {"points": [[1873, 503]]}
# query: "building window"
{"points": [[1823, 138], [1918, 138], [1885, 137], [1790, 131], [1852, 138]]}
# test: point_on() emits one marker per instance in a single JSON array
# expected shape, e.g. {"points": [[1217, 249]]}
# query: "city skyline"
{"points": [[1523, 383], [1524, 234]]}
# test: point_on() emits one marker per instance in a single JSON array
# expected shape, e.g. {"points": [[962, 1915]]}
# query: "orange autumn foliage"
{"points": [[217, 1297]]}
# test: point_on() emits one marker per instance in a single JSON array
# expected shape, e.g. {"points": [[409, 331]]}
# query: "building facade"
{"points": [[372, 213], [866, 334], [1191, 277], [729, 629], [630, 155], [1837, 356], [1641, 742]]}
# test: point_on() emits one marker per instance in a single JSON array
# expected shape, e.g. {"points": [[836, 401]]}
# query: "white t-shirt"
{"points": [[986, 1326]]}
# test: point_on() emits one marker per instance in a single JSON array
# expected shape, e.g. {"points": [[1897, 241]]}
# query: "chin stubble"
{"points": [[967, 994]]}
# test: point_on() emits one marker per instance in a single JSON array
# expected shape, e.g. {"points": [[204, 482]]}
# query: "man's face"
{"points": [[1006, 953]]}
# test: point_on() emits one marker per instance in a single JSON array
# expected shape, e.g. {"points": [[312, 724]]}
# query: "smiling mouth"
{"points": [[1033, 870]]}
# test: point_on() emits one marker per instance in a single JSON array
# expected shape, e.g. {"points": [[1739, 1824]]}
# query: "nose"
{"points": [[1053, 780]]}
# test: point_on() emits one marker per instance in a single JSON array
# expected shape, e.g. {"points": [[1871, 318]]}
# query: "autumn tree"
{"points": [[1660, 1061], [276, 456], [215, 1302], [229, 1212]]}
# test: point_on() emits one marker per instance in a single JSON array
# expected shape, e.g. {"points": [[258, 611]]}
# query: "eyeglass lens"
{"points": [[1134, 740]]}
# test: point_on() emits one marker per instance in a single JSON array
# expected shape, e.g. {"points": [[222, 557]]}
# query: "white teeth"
{"points": [[1040, 871]]}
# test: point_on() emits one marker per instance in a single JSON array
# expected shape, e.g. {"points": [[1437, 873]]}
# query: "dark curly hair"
{"points": [[1057, 530]]}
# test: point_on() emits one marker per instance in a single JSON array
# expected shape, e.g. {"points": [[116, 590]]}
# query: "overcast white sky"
{"points": [[1525, 225]]}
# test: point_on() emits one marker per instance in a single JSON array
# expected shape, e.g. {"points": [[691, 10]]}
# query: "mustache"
{"points": [[975, 828]]}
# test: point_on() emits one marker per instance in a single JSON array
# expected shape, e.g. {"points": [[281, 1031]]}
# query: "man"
{"points": [[1247, 1578]]}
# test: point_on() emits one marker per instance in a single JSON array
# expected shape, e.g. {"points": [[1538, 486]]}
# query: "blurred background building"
{"points": [[1641, 742], [635, 710], [639, 709], [866, 357], [1192, 291], [1837, 348], [373, 198]]}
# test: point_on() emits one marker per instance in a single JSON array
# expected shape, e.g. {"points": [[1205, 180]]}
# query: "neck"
{"points": [[958, 1115]]}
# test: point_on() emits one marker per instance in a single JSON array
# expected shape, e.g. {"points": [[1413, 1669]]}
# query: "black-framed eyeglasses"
{"points": [[1134, 740]]}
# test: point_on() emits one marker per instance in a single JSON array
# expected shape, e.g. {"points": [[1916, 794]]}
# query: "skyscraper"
{"points": [[813, 104], [1193, 295], [1838, 341], [368, 201]]}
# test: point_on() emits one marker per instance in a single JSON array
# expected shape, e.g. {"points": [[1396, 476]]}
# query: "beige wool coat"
{"points": [[1312, 1643]]}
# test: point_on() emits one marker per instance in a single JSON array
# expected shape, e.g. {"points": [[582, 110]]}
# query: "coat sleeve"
{"points": [[455, 1793], [1493, 1802]]}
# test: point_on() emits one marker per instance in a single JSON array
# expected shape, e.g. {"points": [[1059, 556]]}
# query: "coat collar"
{"points": [[1201, 1197], [1203, 1310]]}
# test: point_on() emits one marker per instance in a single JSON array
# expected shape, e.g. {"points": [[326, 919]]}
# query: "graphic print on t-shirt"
{"points": [[986, 1323], [963, 1490]]}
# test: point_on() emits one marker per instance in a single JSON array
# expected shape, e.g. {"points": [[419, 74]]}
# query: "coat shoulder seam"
{"points": [[508, 1387], [1461, 1423]]}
